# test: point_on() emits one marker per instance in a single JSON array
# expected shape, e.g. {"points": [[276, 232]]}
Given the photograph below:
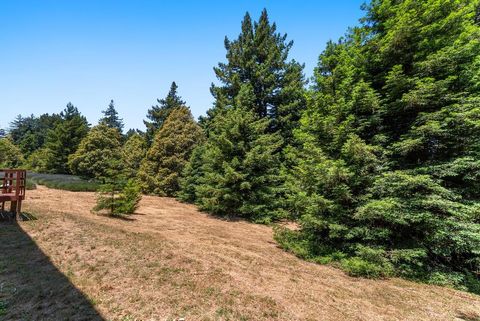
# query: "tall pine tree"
{"points": [[64, 139], [111, 119], [159, 113], [259, 57], [30, 133], [240, 172]]}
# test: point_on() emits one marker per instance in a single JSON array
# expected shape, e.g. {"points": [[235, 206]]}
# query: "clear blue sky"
{"points": [[89, 51]]}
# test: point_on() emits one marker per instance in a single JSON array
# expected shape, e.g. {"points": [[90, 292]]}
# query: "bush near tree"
{"points": [[38, 160]]}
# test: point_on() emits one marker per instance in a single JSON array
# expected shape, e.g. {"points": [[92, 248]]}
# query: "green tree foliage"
{"points": [[386, 178], [165, 160], [131, 197], [259, 57], [94, 154], [30, 133], [111, 119], [118, 197], [240, 168], [133, 153], [38, 160], [192, 175], [159, 113], [118, 194], [64, 139], [10, 155], [132, 132]]}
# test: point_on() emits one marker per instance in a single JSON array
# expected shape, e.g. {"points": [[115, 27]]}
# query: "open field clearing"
{"points": [[170, 261]]}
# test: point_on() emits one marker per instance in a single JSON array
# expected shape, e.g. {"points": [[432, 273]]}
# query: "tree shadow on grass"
{"points": [[31, 287]]}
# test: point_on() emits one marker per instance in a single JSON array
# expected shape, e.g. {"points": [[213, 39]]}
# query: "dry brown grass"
{"points": [[172, 261]]}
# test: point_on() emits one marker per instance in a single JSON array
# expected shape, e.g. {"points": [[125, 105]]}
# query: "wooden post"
{"points": [[13, 209], [19, 209]]}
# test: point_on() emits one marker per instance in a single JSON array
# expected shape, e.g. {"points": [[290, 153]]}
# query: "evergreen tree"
{"points": [[111, 118], [64, 139], [259, 57], [192, 175], [159, 113], [30, 133], [133, 153], [10, 155], [117, 194], [131, 132], [385, 178], [165, 160], [94, 154], [38, 160], [240, 167], [118, 198]]}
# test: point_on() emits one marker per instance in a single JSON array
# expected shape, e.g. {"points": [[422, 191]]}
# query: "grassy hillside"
{"points": [[170, 261]]}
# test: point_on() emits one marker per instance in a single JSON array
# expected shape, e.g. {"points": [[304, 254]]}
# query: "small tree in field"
{"points": [[117, 194]]}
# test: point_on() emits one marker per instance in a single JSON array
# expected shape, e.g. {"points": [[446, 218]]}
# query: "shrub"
{"points": [[118, 198], [130, 197], [356, 266], [30, 185]]}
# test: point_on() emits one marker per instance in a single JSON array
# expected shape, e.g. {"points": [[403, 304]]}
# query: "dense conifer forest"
{"points": [[376, 158]]}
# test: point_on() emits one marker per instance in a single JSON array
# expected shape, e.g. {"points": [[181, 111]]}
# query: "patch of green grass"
{"points": [[30, 185], [63, 182]]}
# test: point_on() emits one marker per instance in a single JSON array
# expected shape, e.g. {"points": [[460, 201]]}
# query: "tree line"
{"points": [[377, 160]]}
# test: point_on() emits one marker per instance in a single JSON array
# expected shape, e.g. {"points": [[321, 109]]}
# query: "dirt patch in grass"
{"points": [[173, 261]]}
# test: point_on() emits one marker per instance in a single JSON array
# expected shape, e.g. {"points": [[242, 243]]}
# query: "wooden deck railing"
{"points": [[13, 182]]}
